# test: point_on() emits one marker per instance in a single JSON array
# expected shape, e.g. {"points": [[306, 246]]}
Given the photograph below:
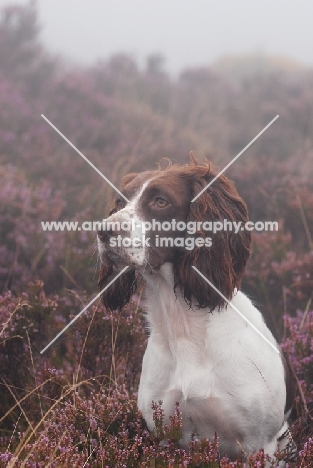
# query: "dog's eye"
{"points": [[161, 202], [119, 204]]}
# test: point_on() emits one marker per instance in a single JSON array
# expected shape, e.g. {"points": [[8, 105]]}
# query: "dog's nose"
{"points": [[105, 235]]}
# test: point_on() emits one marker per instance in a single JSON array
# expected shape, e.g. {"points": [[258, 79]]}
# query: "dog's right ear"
{"points": [[120, 292]]}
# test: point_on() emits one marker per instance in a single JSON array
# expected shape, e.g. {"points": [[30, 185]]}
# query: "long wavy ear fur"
{"points": [[223, 263], [120, 292]]}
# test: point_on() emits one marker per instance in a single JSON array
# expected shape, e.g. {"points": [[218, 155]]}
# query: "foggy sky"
{"points": [[186, 32]]}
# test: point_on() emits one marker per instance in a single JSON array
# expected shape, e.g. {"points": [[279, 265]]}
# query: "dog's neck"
{"points": [[173, 323]]}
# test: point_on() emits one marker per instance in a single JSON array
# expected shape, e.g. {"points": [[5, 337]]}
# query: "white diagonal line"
{"points": [[82, 311], [237, 310], [233, 160], [83, 156]]}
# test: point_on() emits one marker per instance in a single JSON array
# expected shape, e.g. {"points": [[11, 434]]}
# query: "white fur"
{"points": [[226, 378]]}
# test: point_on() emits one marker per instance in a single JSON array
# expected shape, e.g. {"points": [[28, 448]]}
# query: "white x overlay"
{"points": [[84, 157], [124, 269], [82, 311], [233, 160], [235, 308]]}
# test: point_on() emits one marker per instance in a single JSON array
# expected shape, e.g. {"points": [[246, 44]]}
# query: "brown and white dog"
{"points": [[227, 379]]}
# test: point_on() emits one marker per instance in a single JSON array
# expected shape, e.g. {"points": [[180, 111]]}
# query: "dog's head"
{"points": [[160, 205]]}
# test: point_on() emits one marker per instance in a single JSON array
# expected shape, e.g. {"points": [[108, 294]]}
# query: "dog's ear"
{"points": [[223, 263], [120, 292]]}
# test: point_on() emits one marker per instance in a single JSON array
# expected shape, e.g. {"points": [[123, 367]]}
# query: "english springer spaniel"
{"points": [[227, 378]]}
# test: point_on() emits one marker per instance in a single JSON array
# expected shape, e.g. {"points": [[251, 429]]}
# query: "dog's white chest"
{"points": [[225, 377]]}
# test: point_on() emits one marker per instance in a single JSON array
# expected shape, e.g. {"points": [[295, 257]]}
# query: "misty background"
{"points": [[187, 33]]}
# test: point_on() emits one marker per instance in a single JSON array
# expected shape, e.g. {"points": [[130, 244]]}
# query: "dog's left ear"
{"points": [[224, 262], [120, 292]]}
